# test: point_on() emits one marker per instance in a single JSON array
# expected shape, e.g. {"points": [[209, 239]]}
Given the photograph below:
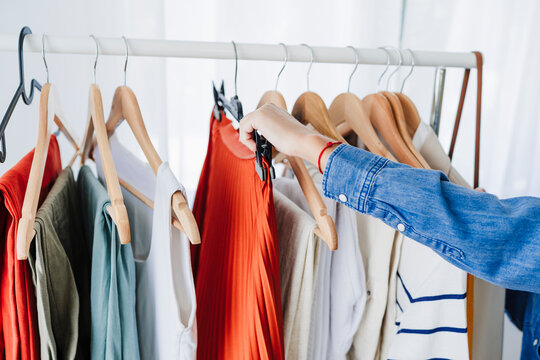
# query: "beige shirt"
{"points": [[298, 254], [340, 291], [380, 248]]}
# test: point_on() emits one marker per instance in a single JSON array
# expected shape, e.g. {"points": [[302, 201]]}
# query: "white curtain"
{"points": [[313, 22], [175, 95], [176, 98], [507, 36]]}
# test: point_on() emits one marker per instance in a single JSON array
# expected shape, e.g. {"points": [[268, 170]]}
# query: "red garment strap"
{"points": [[459, 111], [470, 278], [479, 66]]}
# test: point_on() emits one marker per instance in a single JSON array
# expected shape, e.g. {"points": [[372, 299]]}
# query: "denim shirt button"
{"points": [[535, 342], [342, 197], [401, 227]]}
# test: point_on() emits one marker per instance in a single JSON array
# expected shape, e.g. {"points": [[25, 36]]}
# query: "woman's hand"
{"points": [[286, 133]]}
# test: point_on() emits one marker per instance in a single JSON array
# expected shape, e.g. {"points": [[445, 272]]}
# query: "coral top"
{"points": [[239, 313], [19, 337]]}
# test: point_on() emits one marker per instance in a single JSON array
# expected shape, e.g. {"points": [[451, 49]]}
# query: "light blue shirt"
{"points": [[496, 240], [112, 284]]}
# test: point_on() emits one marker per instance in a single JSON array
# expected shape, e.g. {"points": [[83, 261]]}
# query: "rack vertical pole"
{"points": [[438, 93]]}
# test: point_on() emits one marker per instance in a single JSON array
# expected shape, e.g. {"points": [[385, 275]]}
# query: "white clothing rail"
{"points": [[224, 50]]}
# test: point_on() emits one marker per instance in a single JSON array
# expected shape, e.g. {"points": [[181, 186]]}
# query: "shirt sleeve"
{"points": [[497, 240]]}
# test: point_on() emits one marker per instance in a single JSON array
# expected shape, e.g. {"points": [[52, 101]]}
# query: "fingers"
{"points": [[480, 189], [250, 144], [246, 133]]}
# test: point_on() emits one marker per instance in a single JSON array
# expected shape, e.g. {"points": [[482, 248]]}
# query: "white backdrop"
{"points": [[175, 94]]}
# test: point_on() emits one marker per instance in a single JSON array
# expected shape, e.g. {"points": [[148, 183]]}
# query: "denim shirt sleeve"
{"points": [[497, 240]]}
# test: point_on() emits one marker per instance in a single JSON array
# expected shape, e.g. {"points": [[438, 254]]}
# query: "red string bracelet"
{"points": [[328, 144]]}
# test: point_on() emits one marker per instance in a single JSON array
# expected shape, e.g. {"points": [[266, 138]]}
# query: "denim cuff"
{"points": [[350, 174]]}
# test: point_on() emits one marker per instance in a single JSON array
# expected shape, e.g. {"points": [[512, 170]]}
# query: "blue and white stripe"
{"points": [[431, 307]]}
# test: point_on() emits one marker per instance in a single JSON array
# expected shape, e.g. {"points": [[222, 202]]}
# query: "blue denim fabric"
{"points": [[523, 308], [496, 240]]}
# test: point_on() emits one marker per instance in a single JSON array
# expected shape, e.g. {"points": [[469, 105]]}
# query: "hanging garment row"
{"points": [[274, 270]]}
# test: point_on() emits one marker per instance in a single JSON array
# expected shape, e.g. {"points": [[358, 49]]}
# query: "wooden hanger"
{"points": [[400, 115], [347, 108], [96, 121], [412, 117], [125, 106], [49, 112], [272, 97], [309, 108], [326, 228], [382, 116]]}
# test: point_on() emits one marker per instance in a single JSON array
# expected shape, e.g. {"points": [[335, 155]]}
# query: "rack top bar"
{"points": [[224, 50]]}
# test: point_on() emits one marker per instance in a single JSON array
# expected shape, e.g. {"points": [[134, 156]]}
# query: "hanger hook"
{"points": [[284, 63], [127, 57], [235, 68], [398, 66], [43, 55], [21, 92], [310, 63], [385, 69], [34, 84], [410, 71], [355, 67], [97, 56]]}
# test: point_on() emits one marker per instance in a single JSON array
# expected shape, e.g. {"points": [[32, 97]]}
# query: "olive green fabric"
{"points": [[59, 259]]}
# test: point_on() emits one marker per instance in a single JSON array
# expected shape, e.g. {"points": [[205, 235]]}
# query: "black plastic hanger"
{"points": [[234, 107], [20, 92]]}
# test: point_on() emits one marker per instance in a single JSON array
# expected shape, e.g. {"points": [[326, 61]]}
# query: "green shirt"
{"points": [[114, 326], [59, 259]]}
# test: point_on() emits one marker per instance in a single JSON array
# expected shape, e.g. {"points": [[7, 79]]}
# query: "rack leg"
{"points": [[438, 92]]}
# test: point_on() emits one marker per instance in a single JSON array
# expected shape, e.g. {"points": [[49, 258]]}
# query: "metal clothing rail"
{"points": [[224, 50]]}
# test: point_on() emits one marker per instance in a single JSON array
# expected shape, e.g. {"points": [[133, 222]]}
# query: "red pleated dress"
{"points": [[239, 314], [19, 337]]}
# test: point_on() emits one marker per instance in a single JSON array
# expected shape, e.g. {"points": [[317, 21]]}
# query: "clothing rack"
{"points": [[224, 50], [86, 45]]}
